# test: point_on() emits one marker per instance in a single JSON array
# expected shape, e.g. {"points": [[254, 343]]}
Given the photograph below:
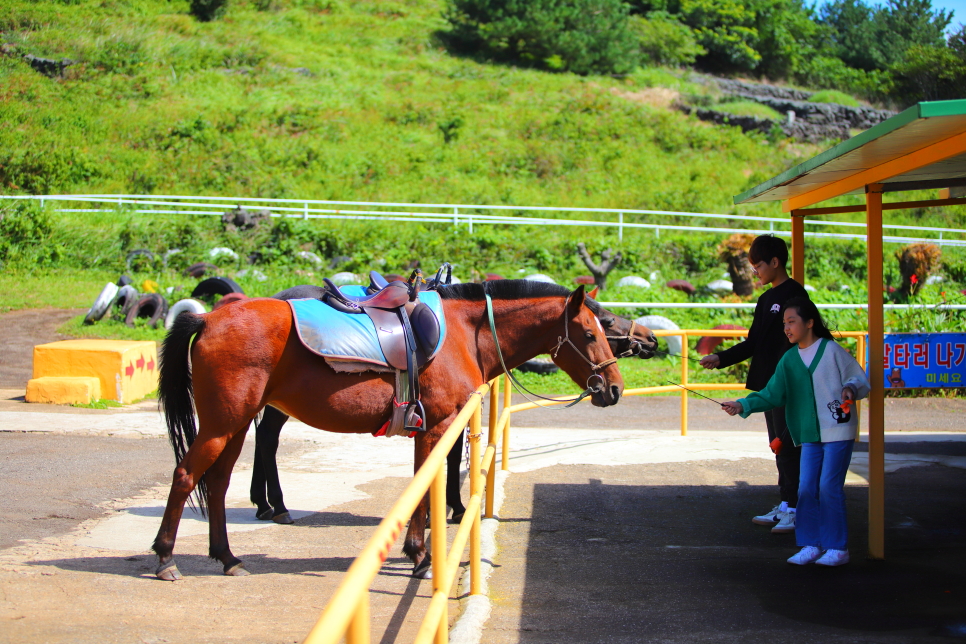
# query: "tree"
{"points": [[929, 73], [726, 29], [607, 264], [734, 252], [663, 40], [580, 36]]}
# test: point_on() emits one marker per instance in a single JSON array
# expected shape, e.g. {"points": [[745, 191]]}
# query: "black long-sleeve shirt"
{"points": [[766, 342]]}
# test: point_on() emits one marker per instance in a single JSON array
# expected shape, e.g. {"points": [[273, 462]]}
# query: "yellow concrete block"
{"points": [[63, 390], [126, 370]]}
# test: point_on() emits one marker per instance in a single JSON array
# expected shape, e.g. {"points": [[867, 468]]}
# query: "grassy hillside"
{"points": [[354, 100]]}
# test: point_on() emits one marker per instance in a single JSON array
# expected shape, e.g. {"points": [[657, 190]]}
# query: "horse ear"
{"points": [[576, 301], [593, 294]]}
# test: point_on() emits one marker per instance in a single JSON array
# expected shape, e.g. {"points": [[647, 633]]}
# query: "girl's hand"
{"points": [[732, 407], [848, 393]]}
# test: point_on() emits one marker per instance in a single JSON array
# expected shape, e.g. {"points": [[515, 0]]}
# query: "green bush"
{"points": [[580, 36], [663, 40], [208, 10], [833, 96], [26, 236], [726, 29]]}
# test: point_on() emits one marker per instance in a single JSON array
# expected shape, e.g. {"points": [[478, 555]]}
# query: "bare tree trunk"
{"points": [[607, 264], [741, 276]]}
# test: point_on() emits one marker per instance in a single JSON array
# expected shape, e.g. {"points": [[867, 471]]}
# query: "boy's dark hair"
{"points": [[808, 311], [767, 247]]}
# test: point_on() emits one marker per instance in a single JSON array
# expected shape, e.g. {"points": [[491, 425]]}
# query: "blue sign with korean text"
{"points": [[924, 360]]}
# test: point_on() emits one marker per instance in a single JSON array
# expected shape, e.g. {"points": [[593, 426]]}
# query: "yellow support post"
{"points": [[495, 411], [358, 632], [684, 382], [507, 401], [437, 538], [798, 247], [860, 358], [873, 203], [476, 482]]}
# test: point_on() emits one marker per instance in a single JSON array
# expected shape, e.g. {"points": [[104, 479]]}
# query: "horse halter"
{"points": [[597, 387], [635, 345]]}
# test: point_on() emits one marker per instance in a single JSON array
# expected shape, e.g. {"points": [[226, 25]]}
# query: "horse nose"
{"points": [[615, 394]]}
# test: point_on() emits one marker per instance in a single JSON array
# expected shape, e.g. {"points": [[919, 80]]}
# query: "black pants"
{"points": [[788, 459]]}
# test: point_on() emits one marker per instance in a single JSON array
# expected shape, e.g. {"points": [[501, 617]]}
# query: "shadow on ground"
{"points": [[672, 563]]}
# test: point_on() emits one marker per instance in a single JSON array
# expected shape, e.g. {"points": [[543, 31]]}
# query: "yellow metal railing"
{"points": [[347, 613]]}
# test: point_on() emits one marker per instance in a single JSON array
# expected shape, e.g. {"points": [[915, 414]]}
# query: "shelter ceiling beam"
{"points": [[899, 205], [928, 155]]}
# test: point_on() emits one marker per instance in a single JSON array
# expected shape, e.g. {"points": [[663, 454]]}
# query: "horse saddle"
{"points": [[388, 326]]}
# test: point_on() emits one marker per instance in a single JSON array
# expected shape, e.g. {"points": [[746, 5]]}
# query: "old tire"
{"points": [[101, 304], [134, 254], [192, 306], [216, 287], [661, 323], [126, 297], [198, 270], [151, 306]]}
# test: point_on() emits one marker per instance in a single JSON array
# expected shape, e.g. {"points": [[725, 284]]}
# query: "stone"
{"points": [[65, 390]]}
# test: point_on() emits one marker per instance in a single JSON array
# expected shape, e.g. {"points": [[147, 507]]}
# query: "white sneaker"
{"points": [[769, 518], [834, 558], [786, 523], [806, 555]]}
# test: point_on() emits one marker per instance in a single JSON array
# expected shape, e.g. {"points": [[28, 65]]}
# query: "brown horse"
{"points": [[626, 338], [247, 356]]}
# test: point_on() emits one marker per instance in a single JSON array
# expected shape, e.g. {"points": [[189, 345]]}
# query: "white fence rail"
{"points": [[470, 215], [751, 305]]}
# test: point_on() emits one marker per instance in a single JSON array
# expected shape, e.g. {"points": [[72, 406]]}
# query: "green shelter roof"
{"points": [[914, 129]]}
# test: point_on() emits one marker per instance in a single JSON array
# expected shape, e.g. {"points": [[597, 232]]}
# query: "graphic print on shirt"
{"points": [[776, 308], [840, 415]]}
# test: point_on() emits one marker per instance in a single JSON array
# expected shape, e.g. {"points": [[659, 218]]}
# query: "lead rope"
{"points": [[520, 388]]}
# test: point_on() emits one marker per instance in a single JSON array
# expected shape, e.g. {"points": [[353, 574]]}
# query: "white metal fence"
{"points": [[472, 215]]}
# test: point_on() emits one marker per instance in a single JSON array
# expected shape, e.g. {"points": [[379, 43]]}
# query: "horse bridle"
{"points": [[561, 340], [636, 345]]}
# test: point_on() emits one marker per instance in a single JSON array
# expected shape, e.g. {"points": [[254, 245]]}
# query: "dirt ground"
{"points": [[19, 332]]}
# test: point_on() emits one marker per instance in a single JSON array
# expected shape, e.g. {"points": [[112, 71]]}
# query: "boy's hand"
{"points": [[732, 407], [710, 362]]}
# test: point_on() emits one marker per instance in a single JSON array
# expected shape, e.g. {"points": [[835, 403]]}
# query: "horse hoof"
{"points": [[238, 570], [284, 518], [264, 515], [168, 573], [424, 570], [456, 518]]}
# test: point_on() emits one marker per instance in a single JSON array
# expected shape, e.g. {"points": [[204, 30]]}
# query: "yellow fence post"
{"points": [[358, 632], [860, 358], [476, 481], [507, 401], [684, 382], [437, 511], [495, 411]]}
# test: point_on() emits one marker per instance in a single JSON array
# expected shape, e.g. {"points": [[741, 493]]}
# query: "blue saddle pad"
{"points": [[350, 337]]}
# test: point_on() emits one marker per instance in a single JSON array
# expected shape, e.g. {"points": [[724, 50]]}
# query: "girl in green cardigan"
{"points": [[817, 385]]}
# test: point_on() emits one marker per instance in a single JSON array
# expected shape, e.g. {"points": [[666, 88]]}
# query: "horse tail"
{"points": [[175, 392]]}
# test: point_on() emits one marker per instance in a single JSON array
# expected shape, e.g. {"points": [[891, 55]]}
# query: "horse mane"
{"points": [[510, 290]]}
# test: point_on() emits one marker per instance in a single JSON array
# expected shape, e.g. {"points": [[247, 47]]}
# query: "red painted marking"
{"points": [[129, 370], [151, 364], [140, 363]]}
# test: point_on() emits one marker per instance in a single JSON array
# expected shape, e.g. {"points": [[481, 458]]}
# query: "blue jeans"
{"points": [[821, 519]]}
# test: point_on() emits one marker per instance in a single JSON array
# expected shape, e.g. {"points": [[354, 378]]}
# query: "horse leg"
{"points": [[263, 510], [453, 500], [187, 475], [414, 545], [265, 473], [273, 420], [218, 477]]}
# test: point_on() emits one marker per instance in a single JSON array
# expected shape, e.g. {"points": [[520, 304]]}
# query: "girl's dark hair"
{"points": [[808, 311]]}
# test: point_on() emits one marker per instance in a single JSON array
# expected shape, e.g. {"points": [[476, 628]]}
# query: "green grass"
{"points": [[98, 404], [748, 108], [833, 96]]}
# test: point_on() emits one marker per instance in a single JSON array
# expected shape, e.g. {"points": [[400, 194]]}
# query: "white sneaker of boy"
{"points": [[769, 518], [806, 555], [786, 523]]}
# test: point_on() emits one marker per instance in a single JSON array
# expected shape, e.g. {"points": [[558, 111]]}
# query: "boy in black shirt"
{"points": [[765, 345]]}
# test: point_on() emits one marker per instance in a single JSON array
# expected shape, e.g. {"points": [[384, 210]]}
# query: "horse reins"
{"points": [[561, 340]]}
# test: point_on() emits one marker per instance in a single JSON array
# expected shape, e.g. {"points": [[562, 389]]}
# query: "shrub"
{"points": [[725, 28], [208, 10], [663, 40], [580, 36], [833, 96], [25, 235]]}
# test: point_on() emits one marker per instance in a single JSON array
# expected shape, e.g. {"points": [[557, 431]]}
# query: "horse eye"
{"points": [[589, 335]]}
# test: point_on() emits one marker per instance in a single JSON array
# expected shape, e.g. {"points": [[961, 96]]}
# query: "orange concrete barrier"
{"points": [[125, 370]]}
